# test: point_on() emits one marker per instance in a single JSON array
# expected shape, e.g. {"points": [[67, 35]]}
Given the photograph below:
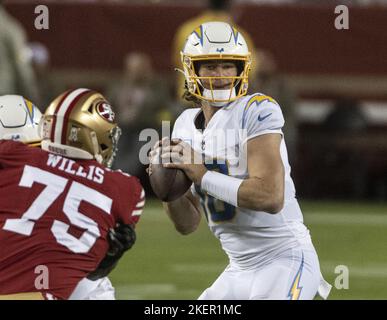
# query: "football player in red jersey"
{"points": [[61, 205]]}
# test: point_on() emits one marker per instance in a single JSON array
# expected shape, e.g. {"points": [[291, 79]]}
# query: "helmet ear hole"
{"points": [[90, 110], [104, 147]]}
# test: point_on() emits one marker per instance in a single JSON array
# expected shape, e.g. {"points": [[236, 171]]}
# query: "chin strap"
{"points": [[179, 70], [225, 95]]}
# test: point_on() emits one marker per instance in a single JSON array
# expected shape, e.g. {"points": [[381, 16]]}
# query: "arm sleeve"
{"points": [[262, 118]]}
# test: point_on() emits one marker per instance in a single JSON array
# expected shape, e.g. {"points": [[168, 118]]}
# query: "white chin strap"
{"points": [[219, 95]]}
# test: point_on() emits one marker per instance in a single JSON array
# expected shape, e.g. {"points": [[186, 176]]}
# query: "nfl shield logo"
{"points": [[105, 111]]}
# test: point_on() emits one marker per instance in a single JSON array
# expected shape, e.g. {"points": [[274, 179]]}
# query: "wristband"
{"points": [[221, 186]]}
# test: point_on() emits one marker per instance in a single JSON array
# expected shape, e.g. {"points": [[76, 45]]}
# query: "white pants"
{"points": [[290, 276], [101, 289]]}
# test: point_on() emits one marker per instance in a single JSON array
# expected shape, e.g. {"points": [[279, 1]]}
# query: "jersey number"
{"points": [[55, 185], [215, 209]]}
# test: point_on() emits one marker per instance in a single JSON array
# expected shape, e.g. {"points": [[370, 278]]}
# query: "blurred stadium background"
{"points": [[332, 87]]}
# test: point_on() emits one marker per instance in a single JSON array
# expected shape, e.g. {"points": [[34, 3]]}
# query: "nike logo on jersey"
{"points": [[263, 118]]}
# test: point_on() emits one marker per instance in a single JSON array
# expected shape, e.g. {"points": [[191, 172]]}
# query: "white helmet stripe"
{"points": [[61, 111]]}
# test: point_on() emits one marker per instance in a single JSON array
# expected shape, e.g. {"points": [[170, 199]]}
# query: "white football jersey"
{"points": [[249, 237]]}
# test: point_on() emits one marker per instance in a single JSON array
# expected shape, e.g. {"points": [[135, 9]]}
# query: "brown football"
{"points": [[167, 183]]}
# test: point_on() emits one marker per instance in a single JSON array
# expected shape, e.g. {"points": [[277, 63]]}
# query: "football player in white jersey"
{"points": [[232, 147]]}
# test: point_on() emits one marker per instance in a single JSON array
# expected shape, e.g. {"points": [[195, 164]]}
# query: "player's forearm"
{"points": [[262, 195], [184, 213]]}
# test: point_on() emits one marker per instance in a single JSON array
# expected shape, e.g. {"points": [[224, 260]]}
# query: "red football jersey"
{"points": [[55, 214]]}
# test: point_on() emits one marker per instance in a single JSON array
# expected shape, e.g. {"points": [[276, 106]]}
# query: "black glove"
{"points": [[121, 239]]}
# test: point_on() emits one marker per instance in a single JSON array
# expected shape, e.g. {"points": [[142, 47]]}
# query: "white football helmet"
{"points": [[216, 41], [19, 120], [81, 124]]}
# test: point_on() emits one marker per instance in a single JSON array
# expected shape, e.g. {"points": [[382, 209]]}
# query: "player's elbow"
{"points": [[186, 229], [275, 206], [271, 205], [275, 199], [272, 202], [188, 225]]}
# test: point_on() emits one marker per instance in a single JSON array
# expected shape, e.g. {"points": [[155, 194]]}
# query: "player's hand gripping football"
{"points": [[121, 239], [178, 154]]}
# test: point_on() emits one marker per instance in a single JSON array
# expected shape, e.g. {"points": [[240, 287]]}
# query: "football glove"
{"points": [[121, 239]]}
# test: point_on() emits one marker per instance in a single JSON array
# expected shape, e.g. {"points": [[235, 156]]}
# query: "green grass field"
{"points": [[166, 265]]}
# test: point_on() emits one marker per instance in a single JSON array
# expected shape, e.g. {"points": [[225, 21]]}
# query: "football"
{"points": [[168, 184]]}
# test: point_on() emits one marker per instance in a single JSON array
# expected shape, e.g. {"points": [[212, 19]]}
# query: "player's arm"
{"points": [[122, 237], [184, 212], [264, 189]]}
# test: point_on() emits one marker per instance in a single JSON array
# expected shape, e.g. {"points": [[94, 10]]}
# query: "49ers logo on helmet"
{"points": [[105, 111]]}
